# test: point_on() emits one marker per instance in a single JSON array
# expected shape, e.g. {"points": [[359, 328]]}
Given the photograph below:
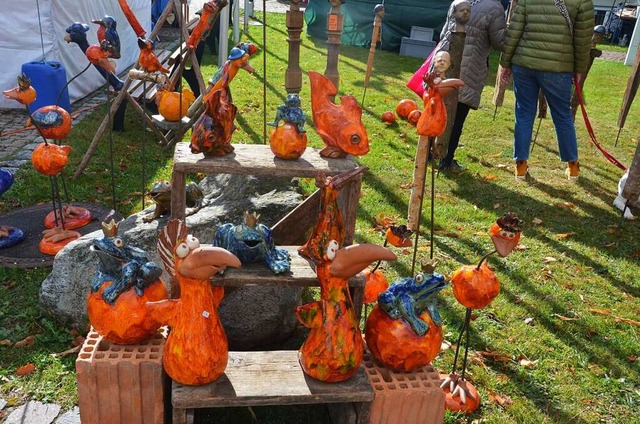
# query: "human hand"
{"points": [[505, 76], [579, 76]]}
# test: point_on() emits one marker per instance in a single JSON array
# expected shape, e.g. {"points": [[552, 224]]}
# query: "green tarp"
{"points": [[400, 16]]}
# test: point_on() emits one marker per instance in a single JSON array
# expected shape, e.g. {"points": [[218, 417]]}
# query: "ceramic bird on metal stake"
{"points": [[107, 32], [334, 348], [147, 59], [475, 287]]}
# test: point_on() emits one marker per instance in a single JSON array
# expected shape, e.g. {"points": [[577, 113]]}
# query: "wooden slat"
{"points": [[269, 378], [257, 159], [301, 274], [293, 227]]}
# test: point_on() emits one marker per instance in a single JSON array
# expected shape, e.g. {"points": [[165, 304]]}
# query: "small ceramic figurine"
{"points": [[147, 59], [211, 134], [77, 33], [126, 279], [340, 127], [475, 287], [9, 236], [334, 348], [107, 32], [403, 332], [23, 93], [196, 351], [291, 112], [172, 105], [251, 242], [161, 195]]}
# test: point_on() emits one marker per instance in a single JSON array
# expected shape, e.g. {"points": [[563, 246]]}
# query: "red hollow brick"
{"points": [[121, 383]]}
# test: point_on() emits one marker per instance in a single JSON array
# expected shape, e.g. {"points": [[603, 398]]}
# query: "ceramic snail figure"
{"points": [[475, 287], [403, 332], [334, 348], [126, 279], [196, 351], [251, 242], [340, 127]]}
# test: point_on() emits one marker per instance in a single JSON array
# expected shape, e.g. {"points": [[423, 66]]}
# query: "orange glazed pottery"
{"points": [[475, 288], [414, 117], [74, 217], [388, 117], [375, 283], [286, 142], [196, 351], [49, 159], [405, 107], [52, 121]]}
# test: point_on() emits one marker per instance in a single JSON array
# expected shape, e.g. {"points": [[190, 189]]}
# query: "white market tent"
{"points": [[21, 41]]}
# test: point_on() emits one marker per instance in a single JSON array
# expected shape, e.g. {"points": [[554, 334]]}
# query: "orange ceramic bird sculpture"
{"points": [[23, 93], [99, 54], [211, 134], [334, 348], [147, 59], [210, 12], [340, 127], [196, 351], [475, 287]]}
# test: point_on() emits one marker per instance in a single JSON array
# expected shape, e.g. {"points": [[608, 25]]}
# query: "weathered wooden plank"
{"points": [[293, 228], [301, 274], [257, 159], [269, 378]]}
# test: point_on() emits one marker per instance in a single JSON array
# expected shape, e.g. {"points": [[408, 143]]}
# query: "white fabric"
{"points": [[20, 41]]}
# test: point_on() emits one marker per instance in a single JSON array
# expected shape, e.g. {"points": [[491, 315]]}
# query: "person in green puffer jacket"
{"points": [[547, 43]]}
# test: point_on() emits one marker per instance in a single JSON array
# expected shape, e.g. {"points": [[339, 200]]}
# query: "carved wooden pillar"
{"points": [[335, 24], [456, 47], [295, 21]]}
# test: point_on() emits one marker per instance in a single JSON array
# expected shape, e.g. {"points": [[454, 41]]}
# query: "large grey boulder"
{"points": [[251, 316]]}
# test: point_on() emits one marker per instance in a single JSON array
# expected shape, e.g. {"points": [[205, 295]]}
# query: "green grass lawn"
{"points": [[559, 344]]}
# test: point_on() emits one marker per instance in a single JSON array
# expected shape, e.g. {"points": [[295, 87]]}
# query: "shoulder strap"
{"points": [[562, 8]]}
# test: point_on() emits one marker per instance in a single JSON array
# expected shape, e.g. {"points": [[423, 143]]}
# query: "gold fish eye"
{"points": [[355, 139]]}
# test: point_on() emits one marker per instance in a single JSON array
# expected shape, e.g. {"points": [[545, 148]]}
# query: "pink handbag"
{"points": [[415, 83]]}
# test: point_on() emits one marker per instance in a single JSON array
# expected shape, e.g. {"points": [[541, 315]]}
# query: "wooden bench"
{"points": [[270, 378]]}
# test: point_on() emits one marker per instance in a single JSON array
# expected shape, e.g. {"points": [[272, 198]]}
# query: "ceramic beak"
{"points": [[352, 259], [206, 261]]}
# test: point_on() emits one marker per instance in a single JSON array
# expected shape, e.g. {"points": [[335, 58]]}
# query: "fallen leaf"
{"points": [[527, 363], [26, 342], [565, 235], [628, 321], [406, 252], [78, 341], [73, 350], [517, 300], [536, 221], [501, 357], [528, 321], [25, 369], [501, 400], [521, 247], [632, 358], [549, 259], [445, 345], [6, 343], [599, 311], [496, 206], [563, 318], [406, 186], [611, 229], [490, 177], [636, 253], [565, 205]]}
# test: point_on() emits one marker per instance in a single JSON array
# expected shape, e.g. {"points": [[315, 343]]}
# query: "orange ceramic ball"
{"points": [[388, 117], [53, 121], [287, 142], [394, 344], [414, 116], [454, 404], [405, 107], [49, 159], [375, 283], [475, 288], [127, 320]]}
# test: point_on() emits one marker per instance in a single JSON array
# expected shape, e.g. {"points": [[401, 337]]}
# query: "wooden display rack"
{"points": [[274, 377]]}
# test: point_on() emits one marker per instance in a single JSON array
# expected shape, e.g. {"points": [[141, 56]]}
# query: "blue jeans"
{"points": [[556, 87]]}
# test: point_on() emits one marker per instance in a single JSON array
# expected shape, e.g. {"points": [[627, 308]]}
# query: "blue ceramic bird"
{"points": [[9, 236], [77, 33], [107, 31]]}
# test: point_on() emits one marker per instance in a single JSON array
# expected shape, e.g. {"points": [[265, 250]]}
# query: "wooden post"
{"points": [[417, 189], [375, 36], [456, 47], [631, 190], [295, 21], [335, 24]]}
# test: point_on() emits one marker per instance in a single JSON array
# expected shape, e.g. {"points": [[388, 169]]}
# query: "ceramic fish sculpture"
{"points": [[23, 93], [107, 32], [197, 350], [147, 59], [334, 348], [340, 127]]}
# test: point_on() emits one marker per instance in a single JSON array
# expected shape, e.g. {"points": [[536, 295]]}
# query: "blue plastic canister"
{"points": [[48, 78]]}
